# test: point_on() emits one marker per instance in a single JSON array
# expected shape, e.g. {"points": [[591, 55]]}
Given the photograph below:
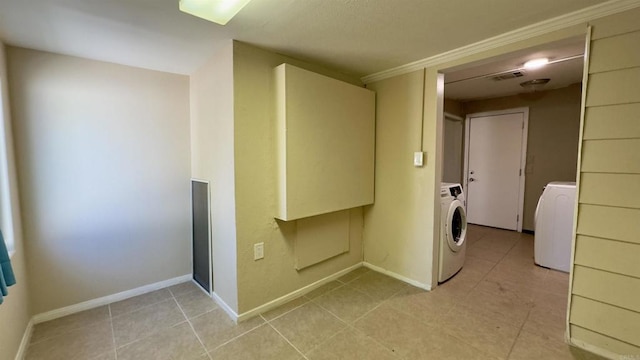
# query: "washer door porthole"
{"points": [[456, 225]]}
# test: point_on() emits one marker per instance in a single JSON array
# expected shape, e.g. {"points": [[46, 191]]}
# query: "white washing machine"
{"points": [[554, 226], [453, 231]]}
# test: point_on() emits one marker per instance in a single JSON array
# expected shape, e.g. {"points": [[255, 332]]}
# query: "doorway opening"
{"points": [[508, 131], [494, 88]]}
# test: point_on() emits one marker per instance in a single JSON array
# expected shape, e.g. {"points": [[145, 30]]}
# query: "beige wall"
{"points": [[454, 107], [103, 164], [552, 145], [397, 225], [255, 188], [605, 311], [212, 159], [15, 311]]}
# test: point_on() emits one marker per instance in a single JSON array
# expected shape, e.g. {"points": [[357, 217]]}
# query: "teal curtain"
{"points": [[6, 272]]}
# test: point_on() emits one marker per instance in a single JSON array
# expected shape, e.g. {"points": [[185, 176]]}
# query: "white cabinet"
{"points": [[325, 144]]}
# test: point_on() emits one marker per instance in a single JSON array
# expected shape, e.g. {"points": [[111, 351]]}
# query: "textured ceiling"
{"points": [[358, 37]]}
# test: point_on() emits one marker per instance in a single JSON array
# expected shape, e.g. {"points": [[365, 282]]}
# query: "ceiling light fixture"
{"points": [[536, 63], [218, 11]]}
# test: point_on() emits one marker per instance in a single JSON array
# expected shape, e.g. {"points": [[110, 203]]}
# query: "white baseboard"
{"points": [[26, 338], [224, 306], [398, 276], [90, 304], [292, 295]]}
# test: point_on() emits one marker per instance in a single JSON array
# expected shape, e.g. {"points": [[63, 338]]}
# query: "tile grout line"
{"points": [[493, 268], [142, 307], [475, 286], [528, 311], [518, 336], [342, 284], [173, 296], [31, 342], [352, 327], [332, 336], [348, 325], [380, 304], [288, 311], [238, 336], [152, 333], [467, 295], [285, 338], [113, 333]]}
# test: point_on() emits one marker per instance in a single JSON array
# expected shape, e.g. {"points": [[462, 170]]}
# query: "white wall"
{"points": [[15, 311], [212, 159], [103, 162]]}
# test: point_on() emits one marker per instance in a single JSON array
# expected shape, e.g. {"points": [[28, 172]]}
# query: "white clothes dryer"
{"points": [[453, 231], [554, 225]]}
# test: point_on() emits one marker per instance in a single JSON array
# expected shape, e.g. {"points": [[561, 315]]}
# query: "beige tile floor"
{"points": [[500, 306]]}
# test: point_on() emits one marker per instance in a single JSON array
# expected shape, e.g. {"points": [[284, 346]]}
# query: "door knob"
{"points": [[472, 179]]}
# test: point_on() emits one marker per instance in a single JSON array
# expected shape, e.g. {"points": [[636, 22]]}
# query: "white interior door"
{"points": [[494, 178]]}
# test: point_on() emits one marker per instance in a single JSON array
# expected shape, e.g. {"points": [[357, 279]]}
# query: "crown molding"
{"points": [[541, 28]]}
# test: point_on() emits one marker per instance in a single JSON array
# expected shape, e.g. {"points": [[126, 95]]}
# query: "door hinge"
{"points": [[518, 218], [523, 125], [520, 172]]}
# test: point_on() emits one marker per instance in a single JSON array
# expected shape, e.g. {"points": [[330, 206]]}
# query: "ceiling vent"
{"points": [[508, 75]]}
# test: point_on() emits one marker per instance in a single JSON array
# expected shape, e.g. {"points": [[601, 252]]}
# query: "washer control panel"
{"points": [[455, 191], [452, 190]]}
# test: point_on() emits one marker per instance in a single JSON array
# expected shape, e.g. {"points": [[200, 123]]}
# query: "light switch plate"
{"points": [[258, 251], [418, 158]]}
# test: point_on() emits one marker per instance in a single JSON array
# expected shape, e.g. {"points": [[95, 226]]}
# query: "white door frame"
{"points": [[523, 152]]}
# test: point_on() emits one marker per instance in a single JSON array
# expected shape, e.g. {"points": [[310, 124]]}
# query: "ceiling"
{"points": [[476, 81], [357, 37]]}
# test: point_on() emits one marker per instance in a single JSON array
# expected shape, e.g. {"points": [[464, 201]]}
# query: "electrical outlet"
{"points": [[258, 251]]}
